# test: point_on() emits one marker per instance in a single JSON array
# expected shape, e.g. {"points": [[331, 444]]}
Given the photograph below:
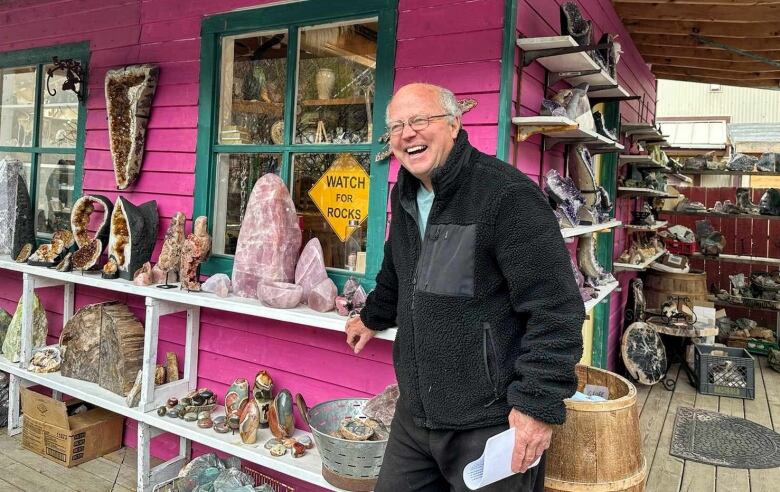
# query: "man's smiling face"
{"points": [[421, 151]]}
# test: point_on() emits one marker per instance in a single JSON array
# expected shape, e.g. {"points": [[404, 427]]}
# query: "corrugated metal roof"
{"points": [[754, 132], [710, 134]]}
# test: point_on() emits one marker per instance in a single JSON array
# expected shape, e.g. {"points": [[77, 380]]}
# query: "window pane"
{"points": [[236, 175], [253, 78], [17, 99], [335, 90], [59, 118], [349, 254], [56, 175]]}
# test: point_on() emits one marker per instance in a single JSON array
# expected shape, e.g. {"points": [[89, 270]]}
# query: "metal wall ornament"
{"points": [[129, 93], [75, 75]]}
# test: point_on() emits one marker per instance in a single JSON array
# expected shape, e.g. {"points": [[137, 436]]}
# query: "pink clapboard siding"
{"points": [[452, 43]]}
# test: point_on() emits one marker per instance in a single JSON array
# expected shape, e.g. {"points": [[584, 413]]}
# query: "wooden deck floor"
{"points": [[668, 473]]}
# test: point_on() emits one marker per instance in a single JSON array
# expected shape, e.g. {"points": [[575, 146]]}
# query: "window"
{"points": [[45, 132], [293, 90]]}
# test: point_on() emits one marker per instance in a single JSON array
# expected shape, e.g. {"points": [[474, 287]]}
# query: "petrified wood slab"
{"points": [[643, 353], [129, 92], [104, 345]]}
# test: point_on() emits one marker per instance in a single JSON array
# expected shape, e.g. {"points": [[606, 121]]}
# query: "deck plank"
{"points": [[651, 422], [732, 479], [761, 480], [700, 477]]}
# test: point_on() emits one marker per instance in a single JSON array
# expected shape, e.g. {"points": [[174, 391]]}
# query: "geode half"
{"points": [[17, 226], [81, 216], [133, 233], [129, 92]]}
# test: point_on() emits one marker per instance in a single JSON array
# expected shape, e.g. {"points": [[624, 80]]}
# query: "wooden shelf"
{"points": [[751, 260], [681, 177], [659, 224], [628, 191], [344, 101], [300, 315], [718, 302], [259, 107], [641, 161], [617, 266], [723, 216], [559, 129], [717, 172], [589, 229], [604, 291]]}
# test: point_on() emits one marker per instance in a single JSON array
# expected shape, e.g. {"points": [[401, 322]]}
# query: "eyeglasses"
{"points": [[416, 123]]}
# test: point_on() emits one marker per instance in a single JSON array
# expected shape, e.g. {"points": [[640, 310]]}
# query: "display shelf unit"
{"points": [[629, 191], [568, 232], [712, 298], [617, 266], [659, 224], [641, 161], [604, 291], [722, 216], [560, 129], [159, 302], [750, 260]]}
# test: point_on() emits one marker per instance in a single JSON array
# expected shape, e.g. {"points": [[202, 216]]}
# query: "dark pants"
{"points": [[418, 459]]}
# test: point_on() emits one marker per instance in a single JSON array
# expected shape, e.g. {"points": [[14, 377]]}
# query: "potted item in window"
{"points": [[326, 82]]}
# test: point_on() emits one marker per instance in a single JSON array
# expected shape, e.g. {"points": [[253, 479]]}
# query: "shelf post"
{"points": [[146, 476]]}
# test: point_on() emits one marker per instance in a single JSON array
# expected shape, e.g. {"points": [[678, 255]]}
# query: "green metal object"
{"points": [[604, 243], [292, 17], [507, 78]]}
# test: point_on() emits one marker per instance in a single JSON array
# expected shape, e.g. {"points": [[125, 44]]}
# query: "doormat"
{"points": [[717, 439]]}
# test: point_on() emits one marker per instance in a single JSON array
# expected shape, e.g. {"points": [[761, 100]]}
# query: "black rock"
{"points": [[574, 25], [769, 162], [742, 162], [24, 230], [140, 224]]}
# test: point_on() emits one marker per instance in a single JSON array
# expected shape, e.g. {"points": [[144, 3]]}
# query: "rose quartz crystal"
{"points": [[342, 305], [310, 270], [280, 294], [323, 296], [269, 240], [144, 275], [219, 284]]}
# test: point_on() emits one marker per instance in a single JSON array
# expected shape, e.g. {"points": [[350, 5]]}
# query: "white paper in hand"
{"points": [[495, 463]]}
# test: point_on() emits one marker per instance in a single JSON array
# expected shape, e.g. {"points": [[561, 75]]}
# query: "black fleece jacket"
{"points": [[488, 312]]}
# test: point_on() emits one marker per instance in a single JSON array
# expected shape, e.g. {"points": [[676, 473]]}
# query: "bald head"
{"points": [[445, 98]]}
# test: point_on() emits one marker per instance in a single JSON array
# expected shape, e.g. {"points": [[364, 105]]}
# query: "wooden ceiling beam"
{"points": [[717, 74], [672, 39], [761, 84], [757, 30], [697, 53], [699, 13], [728, 66], [743, 3]]}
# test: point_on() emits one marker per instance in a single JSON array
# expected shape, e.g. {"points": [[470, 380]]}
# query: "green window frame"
{"points": [[292, 17], [40, 58]]}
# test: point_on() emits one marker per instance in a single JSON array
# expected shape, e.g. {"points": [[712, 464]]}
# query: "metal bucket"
{"points": [[351, 465]]}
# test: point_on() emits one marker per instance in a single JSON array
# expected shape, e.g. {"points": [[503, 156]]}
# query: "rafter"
{"points": [[710, 13], [671, 39], [758, 30], [761, 84], [744, 3], [718, 74], [728, 66], [698, 53]]}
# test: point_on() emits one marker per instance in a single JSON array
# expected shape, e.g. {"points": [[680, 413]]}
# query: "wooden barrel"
{"points": [[599, 448], [660, 285]]}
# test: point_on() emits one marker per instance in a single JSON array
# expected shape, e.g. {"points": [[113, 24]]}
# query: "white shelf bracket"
{"points": [[147, 476]]}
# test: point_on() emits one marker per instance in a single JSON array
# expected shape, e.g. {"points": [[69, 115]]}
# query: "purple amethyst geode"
{"points": [[565, 195]]}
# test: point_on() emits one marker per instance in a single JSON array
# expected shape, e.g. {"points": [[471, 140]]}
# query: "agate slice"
{"points": [[129, 92], [133, 233], [81, 216]]}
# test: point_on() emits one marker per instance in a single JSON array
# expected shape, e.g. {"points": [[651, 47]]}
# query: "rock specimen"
{"points": [[382, 407], [323, 296], [195, 250], [310, 270], [24, 253], [5, 322], [104, 344], [48, 254], [218, 284], [170, 255], [171, 367], [129, 92], [110, 269], [250, 422], [262, 394], [16, 214], [643, 353], [87, 256], [65, 236], [269, 240], [236, 397], [144, 275], [13, 339], [81, 216], [133, 233], [280, 415], [134, 396], [45, 360], [280, 295]]}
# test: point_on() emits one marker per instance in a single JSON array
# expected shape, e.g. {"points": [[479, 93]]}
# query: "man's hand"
{"points": [[532, 437], [358, 334]]}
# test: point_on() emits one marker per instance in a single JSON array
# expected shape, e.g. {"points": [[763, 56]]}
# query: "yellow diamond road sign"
{"points": [[341, 194]]}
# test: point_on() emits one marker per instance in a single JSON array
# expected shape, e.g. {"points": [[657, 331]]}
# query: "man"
{"points": [[478, 280]]}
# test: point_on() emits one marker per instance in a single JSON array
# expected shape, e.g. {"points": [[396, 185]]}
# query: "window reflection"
{"points": [[59, 117], [17, 104], [56, 177]]}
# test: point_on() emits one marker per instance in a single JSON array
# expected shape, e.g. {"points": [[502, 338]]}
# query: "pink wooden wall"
{"points": [[455, 44]]}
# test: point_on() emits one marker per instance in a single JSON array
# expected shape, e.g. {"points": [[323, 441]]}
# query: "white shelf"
{"points": [[752, 260], [307, 468], [588, 229], [641, 161], [83, 390], [659, 224], [300, 315], [632, 128], [617, 266], [564, 130], [604, 291], [628, 191]]}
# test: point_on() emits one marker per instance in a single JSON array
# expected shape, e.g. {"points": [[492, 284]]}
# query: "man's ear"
{"points": [[455, 126]]}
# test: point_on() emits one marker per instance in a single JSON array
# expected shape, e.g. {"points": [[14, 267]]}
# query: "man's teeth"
{"points": [[416, 149]]}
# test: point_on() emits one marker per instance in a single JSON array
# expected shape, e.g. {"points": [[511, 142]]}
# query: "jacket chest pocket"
{"points": [[447, 260]]}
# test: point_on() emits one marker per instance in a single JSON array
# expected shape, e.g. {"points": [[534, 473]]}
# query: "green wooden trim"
{"points": [[39, 150], [293, 17], [605, 243], [35, 56], [507, 80]]}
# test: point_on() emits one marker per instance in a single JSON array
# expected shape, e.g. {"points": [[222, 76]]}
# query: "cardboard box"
{"points": [[68, 440]]}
